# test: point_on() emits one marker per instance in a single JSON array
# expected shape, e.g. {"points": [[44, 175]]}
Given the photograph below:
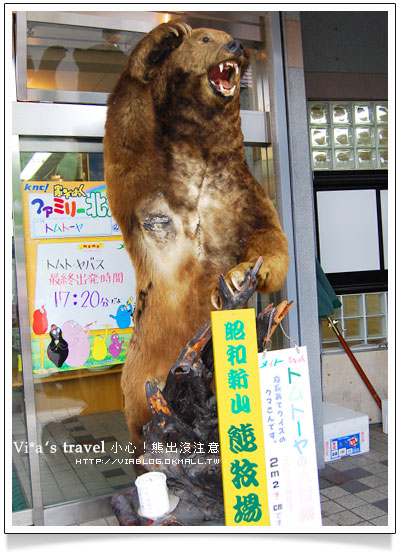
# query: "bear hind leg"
{"points": [[137, 414]]}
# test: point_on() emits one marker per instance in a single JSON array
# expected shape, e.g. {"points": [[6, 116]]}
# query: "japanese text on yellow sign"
{"points": [[240, 418]]}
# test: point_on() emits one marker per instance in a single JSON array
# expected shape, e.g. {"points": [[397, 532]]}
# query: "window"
{"points": [[362, 318], [349, 158], [348, 135], [351, 215]]}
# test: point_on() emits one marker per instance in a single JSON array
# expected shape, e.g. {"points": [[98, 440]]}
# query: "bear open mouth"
{"points": [[222, 78]]}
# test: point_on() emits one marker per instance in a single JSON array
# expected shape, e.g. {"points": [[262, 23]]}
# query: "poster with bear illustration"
{"points": [[81, 284]]}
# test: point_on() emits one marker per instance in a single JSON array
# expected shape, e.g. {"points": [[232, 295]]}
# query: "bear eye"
{"points": [[206, 40]]}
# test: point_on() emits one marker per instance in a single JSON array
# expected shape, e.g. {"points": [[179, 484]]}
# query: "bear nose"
{"points": [[235, 47]]}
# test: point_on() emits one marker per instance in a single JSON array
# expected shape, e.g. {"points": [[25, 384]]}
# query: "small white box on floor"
{"points": [[346, 432]]}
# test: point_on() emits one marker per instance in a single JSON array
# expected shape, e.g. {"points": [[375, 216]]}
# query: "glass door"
{"points": [[76, 284]]}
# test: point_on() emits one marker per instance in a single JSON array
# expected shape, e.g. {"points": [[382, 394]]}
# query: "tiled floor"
{"points": [[354, 489], [70, 475]]}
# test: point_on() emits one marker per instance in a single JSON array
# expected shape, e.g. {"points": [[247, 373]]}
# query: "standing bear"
{"points": [[183, 196]]}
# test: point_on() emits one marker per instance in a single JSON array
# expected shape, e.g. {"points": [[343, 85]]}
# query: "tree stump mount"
{"points": [[182, 438]]}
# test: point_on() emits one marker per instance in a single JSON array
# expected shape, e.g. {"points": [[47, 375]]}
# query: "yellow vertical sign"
{"points": [[239, 417]]}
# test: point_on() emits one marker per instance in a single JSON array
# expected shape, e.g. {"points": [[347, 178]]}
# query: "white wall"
{"points": [[342, 384]]}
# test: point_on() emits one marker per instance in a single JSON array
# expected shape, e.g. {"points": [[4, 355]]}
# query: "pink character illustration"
{"points": [[115, 346], [78, 343]]}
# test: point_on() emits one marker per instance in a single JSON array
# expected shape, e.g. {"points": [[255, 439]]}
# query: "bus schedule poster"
{"points": [[80, 280]]}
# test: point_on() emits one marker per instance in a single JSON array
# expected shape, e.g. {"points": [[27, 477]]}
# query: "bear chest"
{"points": [[193, 216]]}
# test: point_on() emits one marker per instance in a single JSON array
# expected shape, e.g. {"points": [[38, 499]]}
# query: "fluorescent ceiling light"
{"points": [[33, 165]]}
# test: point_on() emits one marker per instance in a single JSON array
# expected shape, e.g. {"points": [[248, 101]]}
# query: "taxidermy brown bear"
{"points": [[183, 196]]}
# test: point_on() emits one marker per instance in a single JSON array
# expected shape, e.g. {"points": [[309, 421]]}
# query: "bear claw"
{"points": [[184, 29], [223, 297]]}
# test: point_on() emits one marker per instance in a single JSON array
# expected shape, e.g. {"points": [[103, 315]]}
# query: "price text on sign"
{"points": [[292, 473], [240, 418]]}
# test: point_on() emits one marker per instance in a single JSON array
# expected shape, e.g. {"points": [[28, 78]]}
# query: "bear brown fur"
{"points": [[183, 196]]}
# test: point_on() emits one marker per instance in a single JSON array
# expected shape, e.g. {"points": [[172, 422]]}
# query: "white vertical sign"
{"points": [[292, 474]]}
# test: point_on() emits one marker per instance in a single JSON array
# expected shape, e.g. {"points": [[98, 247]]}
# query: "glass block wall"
{"points": [[348, 135], [362, 318]]}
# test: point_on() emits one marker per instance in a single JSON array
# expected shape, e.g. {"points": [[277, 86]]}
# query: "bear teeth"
{"points": [[220, 82], [227, 92], [225, 65], [224, 90]]}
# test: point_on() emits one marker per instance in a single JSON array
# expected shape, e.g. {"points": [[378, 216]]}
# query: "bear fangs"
{"points": [[220, 75], [224, 65]]}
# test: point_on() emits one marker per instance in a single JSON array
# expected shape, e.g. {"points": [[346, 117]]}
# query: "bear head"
{"points": [[204, 70]]}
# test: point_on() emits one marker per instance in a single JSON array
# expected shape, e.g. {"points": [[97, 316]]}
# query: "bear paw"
{"points": [[237, 280], [165, 38], [155, 47]]}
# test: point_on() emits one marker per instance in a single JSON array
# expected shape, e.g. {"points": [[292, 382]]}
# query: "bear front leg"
{"points": [[269, 244], [155, 47]]}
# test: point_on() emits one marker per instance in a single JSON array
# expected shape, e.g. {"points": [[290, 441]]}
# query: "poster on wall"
{"points": [[81, 283]]}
